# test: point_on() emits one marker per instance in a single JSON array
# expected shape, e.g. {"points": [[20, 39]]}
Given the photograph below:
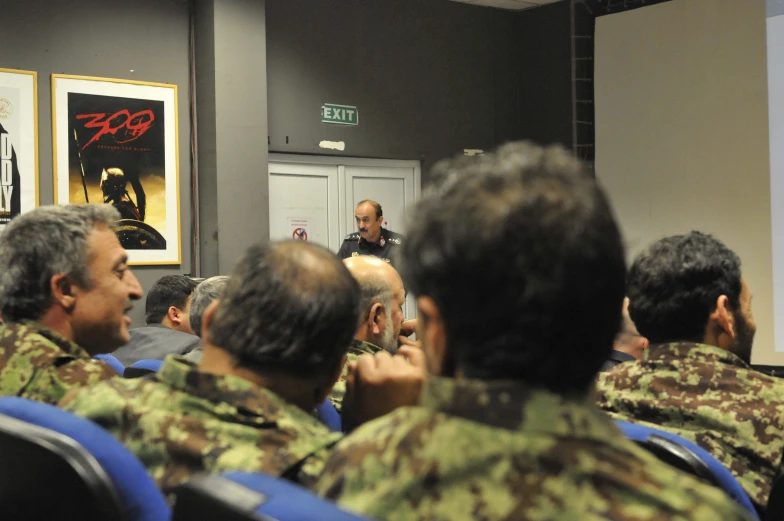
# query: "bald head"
{"points": [[288, 306], [383, 296], [366, 267]]}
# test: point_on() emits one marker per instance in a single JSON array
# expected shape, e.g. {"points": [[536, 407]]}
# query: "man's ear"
{"points": [[440, 358], [375, 316], [206, 318], [175, 315], [723, 317], [62, 291]]}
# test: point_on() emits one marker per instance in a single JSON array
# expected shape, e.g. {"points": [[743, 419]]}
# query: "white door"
{"points": [[320, 194], [393, 187], [304, 203]]}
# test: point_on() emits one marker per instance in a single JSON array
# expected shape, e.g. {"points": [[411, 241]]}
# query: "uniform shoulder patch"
{"points": [[352, 236], [394, 238]]}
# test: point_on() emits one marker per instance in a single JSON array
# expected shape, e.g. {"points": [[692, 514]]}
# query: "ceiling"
{"points": [[514, 5]]}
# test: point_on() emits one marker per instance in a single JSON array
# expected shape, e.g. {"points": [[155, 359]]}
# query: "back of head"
{"points": [[208, 290], [289, 307], [170, 290], [377, 280], [40, 244], [674, 284], [520, 252]]}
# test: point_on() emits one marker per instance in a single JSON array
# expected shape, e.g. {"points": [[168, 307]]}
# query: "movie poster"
{"points": [[116, 144], [18, 143]]}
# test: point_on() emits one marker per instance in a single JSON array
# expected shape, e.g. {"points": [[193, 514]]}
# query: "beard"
{"points": [[387, 340], [744, 339]]}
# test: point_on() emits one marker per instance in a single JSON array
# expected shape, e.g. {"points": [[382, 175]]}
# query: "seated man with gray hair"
{"points": [[65, 289], [381, 315], [206, 292], [274, 346]]}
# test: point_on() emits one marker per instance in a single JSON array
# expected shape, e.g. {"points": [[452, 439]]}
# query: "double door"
{"points": [[313, 198]]}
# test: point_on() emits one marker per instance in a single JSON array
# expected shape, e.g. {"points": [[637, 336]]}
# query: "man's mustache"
{"points": [[363, 229]]}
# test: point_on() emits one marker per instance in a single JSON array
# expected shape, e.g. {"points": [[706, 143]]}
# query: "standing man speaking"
{"points": [[370, 238]]}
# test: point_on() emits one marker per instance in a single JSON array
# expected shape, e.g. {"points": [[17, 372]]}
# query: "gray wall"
{"points": [[104, 38], [421, 73], [231, 86], [429, 77], [544, 58]]}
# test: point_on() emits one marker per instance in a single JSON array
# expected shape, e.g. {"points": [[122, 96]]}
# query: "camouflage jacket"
{"points": [[180, 421], [709, 396], [39, 364], [500, 451], [358, 347]]}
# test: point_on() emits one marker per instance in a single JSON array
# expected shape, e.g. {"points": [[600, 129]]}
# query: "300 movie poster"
{"points": [[18, 143], [120, 140]]}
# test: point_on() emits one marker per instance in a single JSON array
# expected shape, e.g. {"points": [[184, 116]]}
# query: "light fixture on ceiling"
{"points": [[513, 5]]}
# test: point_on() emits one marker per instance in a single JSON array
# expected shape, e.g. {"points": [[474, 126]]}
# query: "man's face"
{"points": [[745, 325], [393, 320], [185, 317], [368, 225], [98, 318]]}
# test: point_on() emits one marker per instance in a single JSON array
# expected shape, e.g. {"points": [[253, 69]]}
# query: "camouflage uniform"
{"points": [[357, 348], [39, 364], [500, 451], [709, 396], [180, 421]]}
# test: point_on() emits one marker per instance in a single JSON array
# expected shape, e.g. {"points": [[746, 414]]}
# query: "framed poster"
{"points": [[115, 142], [18, 143]]}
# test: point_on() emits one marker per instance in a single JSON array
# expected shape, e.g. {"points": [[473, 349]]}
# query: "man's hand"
{"points": [[408, 328], [377, 385]]}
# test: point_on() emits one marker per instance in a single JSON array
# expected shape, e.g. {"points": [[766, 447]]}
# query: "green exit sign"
{"points": [[339, 114]]}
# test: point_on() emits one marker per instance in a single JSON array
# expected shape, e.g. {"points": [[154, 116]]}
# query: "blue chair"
{"points": [[150, 365], [142, 368], [112, 361], [239, 496], [329, 416], [689, 457], [57, 466]]}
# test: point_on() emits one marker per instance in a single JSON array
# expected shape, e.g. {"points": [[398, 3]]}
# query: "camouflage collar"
{"points": [[514, 406], [360, 347], [236, 397], [31, 327], [694, 352]]}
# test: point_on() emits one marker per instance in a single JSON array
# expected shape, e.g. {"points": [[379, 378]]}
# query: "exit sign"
{"points": [[339, 114]]}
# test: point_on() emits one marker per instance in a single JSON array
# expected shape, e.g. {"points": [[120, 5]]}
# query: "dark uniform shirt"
{"points": [[354, 246], [709, 396], [493, 451], [615, 358]]}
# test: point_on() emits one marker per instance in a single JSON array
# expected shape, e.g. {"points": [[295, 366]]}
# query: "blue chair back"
{"points": [[719, 475], [240, 496], [150, 365], [36, 438], [329, 416], [112, 361]]}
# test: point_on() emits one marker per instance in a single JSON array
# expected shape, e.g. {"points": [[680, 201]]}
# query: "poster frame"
{"points": [[31, 96], [63, 84]]}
